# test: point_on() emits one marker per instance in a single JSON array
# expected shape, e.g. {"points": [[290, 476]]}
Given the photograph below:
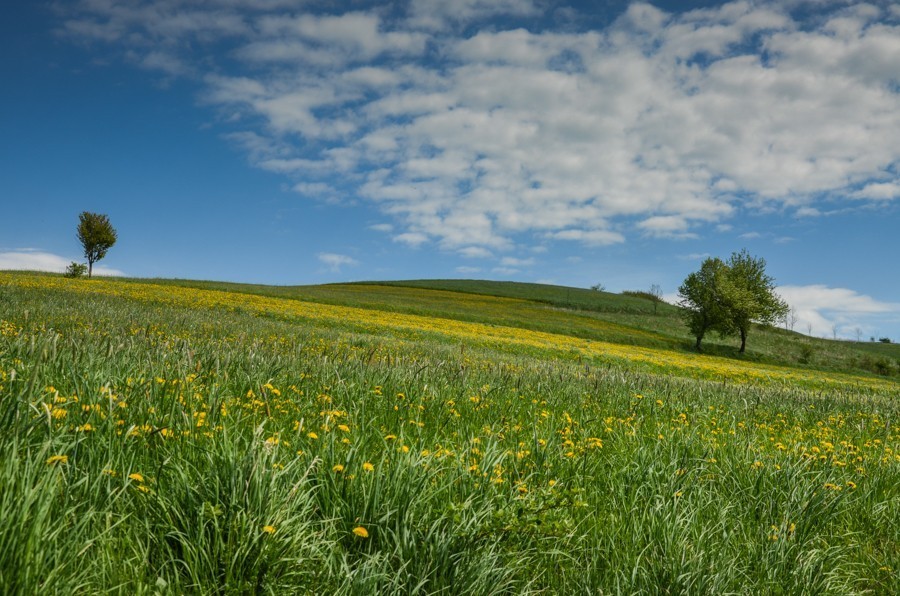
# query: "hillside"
{"points": [[200, 437], [581, 313]]}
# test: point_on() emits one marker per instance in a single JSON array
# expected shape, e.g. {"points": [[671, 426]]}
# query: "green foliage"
{"points": [[75, 270], [703, 300], [96, 235], [750, 294], [729, 296]]}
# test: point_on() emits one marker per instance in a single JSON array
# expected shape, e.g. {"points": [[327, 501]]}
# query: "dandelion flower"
{"points": [[343, 428], [312, 436], [268, 529], [338, 468], [136, 477], [57, 459], [368, 467], [361, 532]]}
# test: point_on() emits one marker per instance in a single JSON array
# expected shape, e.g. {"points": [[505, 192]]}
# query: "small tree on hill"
{"points": [[750, 294], [96, 235], [656, 294], [703, 301]]}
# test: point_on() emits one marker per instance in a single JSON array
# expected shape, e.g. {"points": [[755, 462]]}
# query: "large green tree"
{"points": [[728, 297], [750, 294], [96, 235], [702, 300]]}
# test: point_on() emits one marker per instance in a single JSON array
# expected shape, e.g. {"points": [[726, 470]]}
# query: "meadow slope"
{"points": [[174, 437]]}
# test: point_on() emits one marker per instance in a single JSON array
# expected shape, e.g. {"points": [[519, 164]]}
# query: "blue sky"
{"points": [[290, 142]]}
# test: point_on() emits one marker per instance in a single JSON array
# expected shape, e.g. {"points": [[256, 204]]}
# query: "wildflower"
{"points": [[851, 485], [110, 472], [136, 477], [338, 468], [57, 459], [368, 467], [361, 532], [85, 428], [312, 435], [344, 428], [268, 529]]}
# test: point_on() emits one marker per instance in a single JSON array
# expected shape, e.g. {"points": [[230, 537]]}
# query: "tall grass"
{"points": [[159, 449]]}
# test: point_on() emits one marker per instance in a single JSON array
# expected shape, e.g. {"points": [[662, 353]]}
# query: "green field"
{"points": [[431, 437]]}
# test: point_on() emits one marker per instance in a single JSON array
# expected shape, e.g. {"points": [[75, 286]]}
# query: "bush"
{"points": [[75, 269], [884, 340]]}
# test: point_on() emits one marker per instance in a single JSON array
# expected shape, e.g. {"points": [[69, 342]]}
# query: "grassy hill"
{"points": [[582, 313], [457, 437]]}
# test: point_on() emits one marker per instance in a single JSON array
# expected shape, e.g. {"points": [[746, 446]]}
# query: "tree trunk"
{"points": [[743, 341], [699, 339], [90, 268]]}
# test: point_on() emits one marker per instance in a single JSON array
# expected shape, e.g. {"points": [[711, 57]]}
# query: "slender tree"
{"points": [[96, 235], [656, 293], [702, 299], [749, 295]]}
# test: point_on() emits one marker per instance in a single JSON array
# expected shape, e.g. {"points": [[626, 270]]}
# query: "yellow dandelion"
{"points": [[368, 467], [136, 477], [57, 459], [338, 468], [312, 436], [361, 532], [268, 529], [343, 428]]}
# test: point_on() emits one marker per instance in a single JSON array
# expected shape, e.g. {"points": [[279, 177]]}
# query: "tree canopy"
{"points": [[96, 235], [727, 297]]}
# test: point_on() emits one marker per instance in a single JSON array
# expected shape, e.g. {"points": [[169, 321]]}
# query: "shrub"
{"points": [[75, 269]]}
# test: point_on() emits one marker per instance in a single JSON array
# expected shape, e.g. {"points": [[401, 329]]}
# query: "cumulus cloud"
{"points": [[470, 131], [824, 310], [335, 261], [38, 260]]}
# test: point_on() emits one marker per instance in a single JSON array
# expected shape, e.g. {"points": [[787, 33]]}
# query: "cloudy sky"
{"points": [[294, 142]]}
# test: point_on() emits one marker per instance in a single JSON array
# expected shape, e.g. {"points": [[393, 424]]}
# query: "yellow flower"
{"points": [[338, 468], [312, 436], [85, 428], [368, 467], [268, 529], [361, 532], [57, 459], [136, 477], [344, 428]]}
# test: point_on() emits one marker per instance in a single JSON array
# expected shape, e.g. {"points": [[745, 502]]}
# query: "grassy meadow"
{"points": [[171, 437]]}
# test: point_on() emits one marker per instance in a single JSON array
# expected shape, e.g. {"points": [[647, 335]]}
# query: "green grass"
{"points": [[216, 451]]}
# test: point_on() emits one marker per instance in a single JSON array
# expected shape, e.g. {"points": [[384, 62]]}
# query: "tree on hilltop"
{"points": [[750, 294], [728, 297], [702, 300], [96, 235]]}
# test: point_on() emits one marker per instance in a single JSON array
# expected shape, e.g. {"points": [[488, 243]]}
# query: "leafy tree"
{"points": [[749, 294], [703, 301], [96, 235]]}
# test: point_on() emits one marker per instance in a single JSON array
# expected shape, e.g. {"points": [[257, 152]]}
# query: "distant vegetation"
{"points": [[174, 436]]}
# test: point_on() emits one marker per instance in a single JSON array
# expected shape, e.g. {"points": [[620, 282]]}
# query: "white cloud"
{"points": [[514, 262], [335, 261], [879, 191], [38, 260], [506, 271], [824, 308], [468, 270], [382, 227], [656, 125]]}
